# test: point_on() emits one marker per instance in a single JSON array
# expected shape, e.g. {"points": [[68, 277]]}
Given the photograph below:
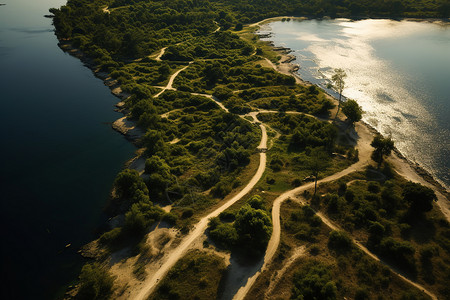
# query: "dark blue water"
{"points": [[59, 155], [398, 72]]}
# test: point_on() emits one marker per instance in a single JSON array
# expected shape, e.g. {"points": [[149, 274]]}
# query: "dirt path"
{"points": [[365, 150], [330, 224], [150, 283], [160, 54], [213, 99], [171, 79], [298, 252]]}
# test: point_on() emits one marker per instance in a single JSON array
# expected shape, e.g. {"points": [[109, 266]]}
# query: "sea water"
{"points": [[59, 154], [398, 71]]}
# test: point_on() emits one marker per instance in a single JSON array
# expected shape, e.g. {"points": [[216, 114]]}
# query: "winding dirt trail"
{"points": [[171, 79], [365, 150], [213, 99], [149, 285], [160, 54]]}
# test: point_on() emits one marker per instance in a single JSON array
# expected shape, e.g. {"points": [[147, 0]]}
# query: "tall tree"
{"points": [[339, 84], [383, 147]]}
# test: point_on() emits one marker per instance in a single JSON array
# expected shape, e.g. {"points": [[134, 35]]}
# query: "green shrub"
{"points": [[339, 241], [111, 237], [314, 281], [95, 282]]}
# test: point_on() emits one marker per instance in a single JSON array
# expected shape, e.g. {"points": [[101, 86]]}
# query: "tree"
{"points": [[419, 197], [95, 282], [352, 111], [314, 281], [339, 84], [383, 147], [129, 185], [254, 228], [317, 163]]}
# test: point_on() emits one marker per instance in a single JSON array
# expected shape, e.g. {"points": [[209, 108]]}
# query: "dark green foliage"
{"points": [[352, 110], [314, 281], [112, 237], [373, 187], [170, 218], [304, 224], [140, 217], [195, 276], [254, 228], [419, 197], [362, 293], [383, 147], [339, 241], [224, 235], [249, 231], [376, 232], [317, 162], [400, 253], [95, 282], [130, 186]]}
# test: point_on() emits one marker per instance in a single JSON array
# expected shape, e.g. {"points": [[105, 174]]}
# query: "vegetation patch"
{"points": [[195, 276]]}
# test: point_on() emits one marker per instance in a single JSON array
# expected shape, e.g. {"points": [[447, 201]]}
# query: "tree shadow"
{"points": [[241, 268]]}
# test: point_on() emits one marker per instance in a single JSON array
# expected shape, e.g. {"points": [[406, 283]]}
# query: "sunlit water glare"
{"points": [[399, 72]]}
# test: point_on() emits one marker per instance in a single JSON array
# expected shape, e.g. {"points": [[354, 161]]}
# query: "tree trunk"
{"points": [[315, 187], [339, 106]]}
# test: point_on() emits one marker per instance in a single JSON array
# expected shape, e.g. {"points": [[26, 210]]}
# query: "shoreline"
{"points": [[287, 66], [128, 128], [123, 125]]}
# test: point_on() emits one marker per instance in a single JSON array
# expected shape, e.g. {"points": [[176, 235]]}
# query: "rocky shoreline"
{"points": [[122, 125]]}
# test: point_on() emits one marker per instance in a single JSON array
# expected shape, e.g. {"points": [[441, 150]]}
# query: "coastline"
{"points": [[285, 66], [288, 66], [123, 125]]}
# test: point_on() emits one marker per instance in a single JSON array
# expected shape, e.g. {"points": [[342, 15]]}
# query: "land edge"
{"points": [[289, 68], [289, 61]]}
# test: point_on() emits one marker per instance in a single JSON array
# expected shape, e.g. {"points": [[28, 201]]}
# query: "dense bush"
{"points": [[340, 241], [419, 197], [314, 281], [95, 282], [248, 233], [130, 186], [400, 253]]}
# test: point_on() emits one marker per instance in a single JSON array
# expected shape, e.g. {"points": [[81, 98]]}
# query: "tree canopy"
{"points": [[419, 197], [314, 281], [383, 147], [95, 282], [339, 84], [352, 110]]}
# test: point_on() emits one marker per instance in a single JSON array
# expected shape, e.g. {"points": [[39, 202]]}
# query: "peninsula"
{"points": [[248, 182]]}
